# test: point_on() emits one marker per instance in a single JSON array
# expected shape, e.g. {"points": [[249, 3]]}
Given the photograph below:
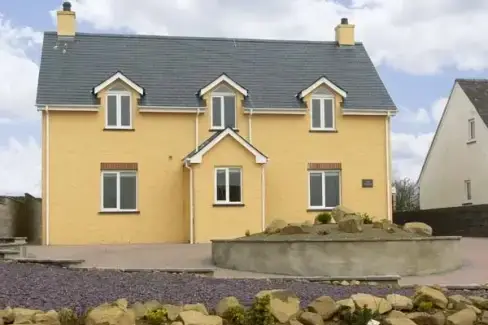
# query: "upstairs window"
{"points": [[322, 113], [471, 130], [118, 112], [223, 110], [467, 189]]}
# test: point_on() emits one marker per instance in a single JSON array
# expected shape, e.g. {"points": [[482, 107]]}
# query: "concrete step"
{"points": [[16, 240]]}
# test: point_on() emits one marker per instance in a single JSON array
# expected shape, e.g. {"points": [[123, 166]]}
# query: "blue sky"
{"points": [[419, 49]]}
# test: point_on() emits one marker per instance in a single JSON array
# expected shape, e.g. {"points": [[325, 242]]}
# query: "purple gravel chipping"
{"points": [[48, 287]]}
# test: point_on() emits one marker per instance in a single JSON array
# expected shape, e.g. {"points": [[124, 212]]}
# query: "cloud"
{"points": [[18, 72], [20, 167], [409, 151], [438, 108], [414, 36]]}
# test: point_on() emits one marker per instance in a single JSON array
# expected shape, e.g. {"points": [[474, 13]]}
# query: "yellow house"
{"points": [[163, 139]]}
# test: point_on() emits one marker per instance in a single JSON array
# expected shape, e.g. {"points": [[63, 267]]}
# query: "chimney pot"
{"points": [[66, 6], [344, 21]]}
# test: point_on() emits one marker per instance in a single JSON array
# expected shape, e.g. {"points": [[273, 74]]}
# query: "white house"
{"points": [[455, 170]]}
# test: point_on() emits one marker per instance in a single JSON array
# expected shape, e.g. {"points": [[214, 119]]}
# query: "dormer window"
{"points": [[322, 117], [118, 112], [223, 108]]}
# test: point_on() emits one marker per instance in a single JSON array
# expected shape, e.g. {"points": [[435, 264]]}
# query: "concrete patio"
{"points": [[184, 256]]}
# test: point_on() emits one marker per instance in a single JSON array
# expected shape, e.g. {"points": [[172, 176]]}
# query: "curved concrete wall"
{"points": [[404, 257]]}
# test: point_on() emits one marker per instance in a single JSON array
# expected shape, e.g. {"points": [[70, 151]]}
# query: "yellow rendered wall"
{"points": [[221, 222]]}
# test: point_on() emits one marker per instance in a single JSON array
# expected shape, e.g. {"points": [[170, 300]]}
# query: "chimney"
{"points": [[344, 33], [66, 21]]}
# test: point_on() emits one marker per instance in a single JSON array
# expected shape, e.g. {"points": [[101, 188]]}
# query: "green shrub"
{"points": [[324, 217], [260, 313], [157, 316], [67, 317], [425, 306], [236, 315], [361, 316], [367, 220], [247, 233]]}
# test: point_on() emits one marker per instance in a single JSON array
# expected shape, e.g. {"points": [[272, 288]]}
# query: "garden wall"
{"points": [[21, 217]]}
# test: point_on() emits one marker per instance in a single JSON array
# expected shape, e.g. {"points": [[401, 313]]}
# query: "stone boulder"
{"points": [[7, 315], [293, 230], [484, 318], [173, 311], [425, 293], [398, 321], [275, 226], [381, 305], [347, 304], [225, 304], [284, 304], [479, 302], [463, 317], [418, 228], [111, 314], [24, 315], [309, 318], [351, 224], [193, 317], [340, 212], [459, 302], [50, 317], [399, 302], [325, 306], [198, 307]]}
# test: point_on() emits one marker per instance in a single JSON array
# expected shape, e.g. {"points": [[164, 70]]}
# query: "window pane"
{"points": [[125, 110], [329, 114], [316, 112], [471, 129], [110, 191], [128, 191], [230, 111], [331, 190], [220, 180], [112, 110], [234, 185], [316, 195], [216, 112]]}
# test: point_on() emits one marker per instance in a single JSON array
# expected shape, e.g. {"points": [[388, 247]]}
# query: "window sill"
{"points": [[467, 203], [120, 212], [118, 129], [221, 129], [226, 205], [319, 209], [471, 141], [323, 131]]}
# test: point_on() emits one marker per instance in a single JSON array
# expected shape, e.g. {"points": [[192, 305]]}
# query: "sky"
{"points": [[419, 47]]}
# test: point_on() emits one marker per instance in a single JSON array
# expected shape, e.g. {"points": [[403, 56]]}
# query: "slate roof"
{"points": [[477, 92], [172, 69]]}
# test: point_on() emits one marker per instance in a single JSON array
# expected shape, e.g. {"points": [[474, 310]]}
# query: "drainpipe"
{"points": [[47, 177], [196, 129], [250, 124], [263, 198], [388, 167], [192, 210]]}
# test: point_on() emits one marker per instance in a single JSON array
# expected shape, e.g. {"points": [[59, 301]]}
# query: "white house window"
{"points": [[324, 189], [471, 129], [467, 188], [228, 185], [119, 114], [223, 110], [322, 113], [119, 191]]}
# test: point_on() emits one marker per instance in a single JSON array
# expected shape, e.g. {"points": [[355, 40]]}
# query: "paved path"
{"points": [[179, 256]]}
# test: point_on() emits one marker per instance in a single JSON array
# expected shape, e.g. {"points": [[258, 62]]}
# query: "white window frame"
{"points": [[118, 95], [227, 192], [221, 96], [322, 99], [324, 173], [468, 190], [118, 173], [471, 129]]}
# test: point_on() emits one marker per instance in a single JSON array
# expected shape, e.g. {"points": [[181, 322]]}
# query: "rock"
{"points": [[396, 314], [344, 283], [197, 307], [307, 223], [398, 321], [152, 305], [224, 304], [459, 302], [419, 228], [177, 323], [383, 224], [399, 302], [24, 315], [173, 311], [335, 282], [425, 293], [479, 302], [346, 303], [122, 303], [284, 304], [292, 230], [475, 309], [139, 310], [484, 318], [325, 306], [378, 304], [463, 317], [340, 212], [110, 314], [308, 318], [422, 318], [49, 318], [7, 315], [275, 226], [193, 317], [294, 322], [351, 224], [355, 282]]}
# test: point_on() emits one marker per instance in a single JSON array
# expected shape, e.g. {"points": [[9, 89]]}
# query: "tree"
{"points": [[407, 195]]}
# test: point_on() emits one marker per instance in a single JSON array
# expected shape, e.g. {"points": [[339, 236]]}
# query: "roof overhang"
{"points": [[322, 81], [223, 78], [197, 157], [118, 76]]}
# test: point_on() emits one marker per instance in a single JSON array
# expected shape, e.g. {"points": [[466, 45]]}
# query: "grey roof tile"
{"points": [[173, 69], [477, 92]]}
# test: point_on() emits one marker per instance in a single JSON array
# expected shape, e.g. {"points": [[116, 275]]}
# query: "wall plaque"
{"points": [[367, 183]]}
